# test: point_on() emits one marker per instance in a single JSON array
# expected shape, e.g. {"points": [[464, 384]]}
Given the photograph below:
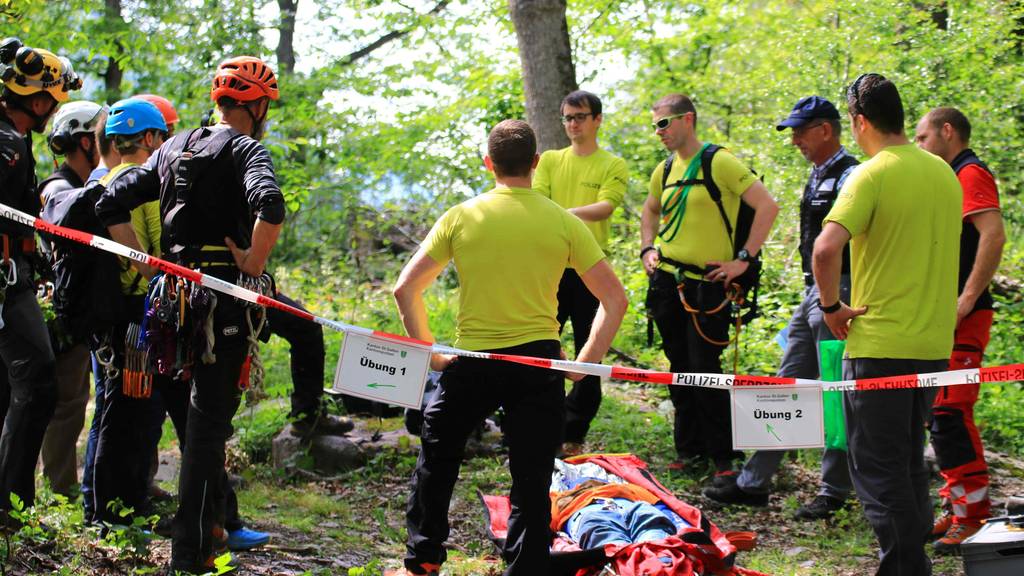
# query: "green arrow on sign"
{"points": [[376, 385], [772, 432]]}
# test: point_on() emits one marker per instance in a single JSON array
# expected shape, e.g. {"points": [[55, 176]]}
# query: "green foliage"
{"points": [[130, 539]]}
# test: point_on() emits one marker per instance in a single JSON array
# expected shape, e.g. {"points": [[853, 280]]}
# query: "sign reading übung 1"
{"points": [[383, 370], [777, 418]]}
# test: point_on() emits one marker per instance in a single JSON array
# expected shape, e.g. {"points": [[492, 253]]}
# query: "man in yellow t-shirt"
{"points": [[590, 183], [510, 247], [695, 257], [901, 213]]}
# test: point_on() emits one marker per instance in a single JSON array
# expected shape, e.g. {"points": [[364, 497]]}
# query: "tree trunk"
{"points": [[548, 71], [113, 74], [286, 28]]}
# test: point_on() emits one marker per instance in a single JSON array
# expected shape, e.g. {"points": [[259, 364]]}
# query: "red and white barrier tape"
{"points": [[1006, 373]]}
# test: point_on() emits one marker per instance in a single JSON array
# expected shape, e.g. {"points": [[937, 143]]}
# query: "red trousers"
{"points": [[954, 436]]}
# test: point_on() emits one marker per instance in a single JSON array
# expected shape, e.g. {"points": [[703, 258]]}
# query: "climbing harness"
{"points": [[250, 378]]}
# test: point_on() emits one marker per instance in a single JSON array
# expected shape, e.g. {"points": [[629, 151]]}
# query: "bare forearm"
{"points": [[648, 225], [986, 262], [264, 236], [595, 212], [827, 265], [125, 234], [413, 312], [764, 217]]}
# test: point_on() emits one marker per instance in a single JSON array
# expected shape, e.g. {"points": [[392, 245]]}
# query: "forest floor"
{"points": [[353, 524]]}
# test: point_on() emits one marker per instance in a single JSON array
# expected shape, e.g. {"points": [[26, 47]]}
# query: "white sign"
{"points": [[383, 370], [777, 418]]}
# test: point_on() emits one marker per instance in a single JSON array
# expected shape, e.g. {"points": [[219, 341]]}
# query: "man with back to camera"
{"points": [[901, 213], [590, 183], [228, 235], [946, 132], [510, 247], [816, 130]]}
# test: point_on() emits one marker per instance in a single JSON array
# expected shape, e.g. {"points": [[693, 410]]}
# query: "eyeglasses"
{"points": [[663, 123], [579, 117]]}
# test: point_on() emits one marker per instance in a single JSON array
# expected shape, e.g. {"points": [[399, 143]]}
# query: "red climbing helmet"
{"points": [[244, 78]]}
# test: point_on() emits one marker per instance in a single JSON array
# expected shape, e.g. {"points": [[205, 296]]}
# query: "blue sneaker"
{"points": [[246, 539]]}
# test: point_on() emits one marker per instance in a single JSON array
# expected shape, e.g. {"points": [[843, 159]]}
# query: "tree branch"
{"points": [[365, 51]]}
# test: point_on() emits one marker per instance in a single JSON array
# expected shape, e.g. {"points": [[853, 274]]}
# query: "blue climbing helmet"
{"points": [[134, 116]]}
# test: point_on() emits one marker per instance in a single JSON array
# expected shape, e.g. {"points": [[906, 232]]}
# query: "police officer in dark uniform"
{"points": [[35, 83], [816, 129], [223, 218]]}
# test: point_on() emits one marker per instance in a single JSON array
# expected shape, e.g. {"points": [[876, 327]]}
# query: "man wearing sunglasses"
{"points": [[901, 213], [695, 260], [815, 124], [590, 183]]}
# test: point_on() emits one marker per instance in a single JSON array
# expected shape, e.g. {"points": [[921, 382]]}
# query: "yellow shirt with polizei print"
{"points": [[510, 247], [702, 236], [147, 224], [572, 181]]}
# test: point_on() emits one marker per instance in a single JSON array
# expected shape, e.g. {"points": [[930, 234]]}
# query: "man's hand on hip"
{"points": [[839, 321]]}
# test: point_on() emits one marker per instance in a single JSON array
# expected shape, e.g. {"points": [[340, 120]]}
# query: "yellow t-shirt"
{"points": [[147, 224], [702, 236], [510, 247], [573, 181], [902, 209]]}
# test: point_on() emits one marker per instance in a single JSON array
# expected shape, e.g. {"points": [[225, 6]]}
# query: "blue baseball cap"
{"points": [[807, 109]]}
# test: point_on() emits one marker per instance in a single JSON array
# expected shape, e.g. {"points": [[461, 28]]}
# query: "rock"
{"points": [[285, 448], [794, 551], [335, 454], [327, 455]]}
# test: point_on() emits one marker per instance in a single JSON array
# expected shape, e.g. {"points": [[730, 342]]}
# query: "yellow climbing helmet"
{"points": [[26, 71]]}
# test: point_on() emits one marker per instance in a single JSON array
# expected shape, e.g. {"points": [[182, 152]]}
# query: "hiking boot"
{"points": [[821, 508], [323, 425], [942, 525], [950, 543], [724, 490], [246, 539], [570, 449], [724, 478]]}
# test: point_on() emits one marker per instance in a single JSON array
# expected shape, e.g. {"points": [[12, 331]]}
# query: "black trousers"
{"points": [[306, 341], [470, 390], [703, 416], [28, 390], [885, 432], [126, 438], [203, 485], [577, 305]]}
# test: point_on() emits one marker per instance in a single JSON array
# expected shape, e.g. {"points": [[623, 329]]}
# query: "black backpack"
{"points": [[751, 279], [87, 286]]}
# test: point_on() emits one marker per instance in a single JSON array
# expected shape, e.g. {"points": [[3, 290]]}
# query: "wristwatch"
{"points": [[646, 249], [745, 256], [830, 309]]}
